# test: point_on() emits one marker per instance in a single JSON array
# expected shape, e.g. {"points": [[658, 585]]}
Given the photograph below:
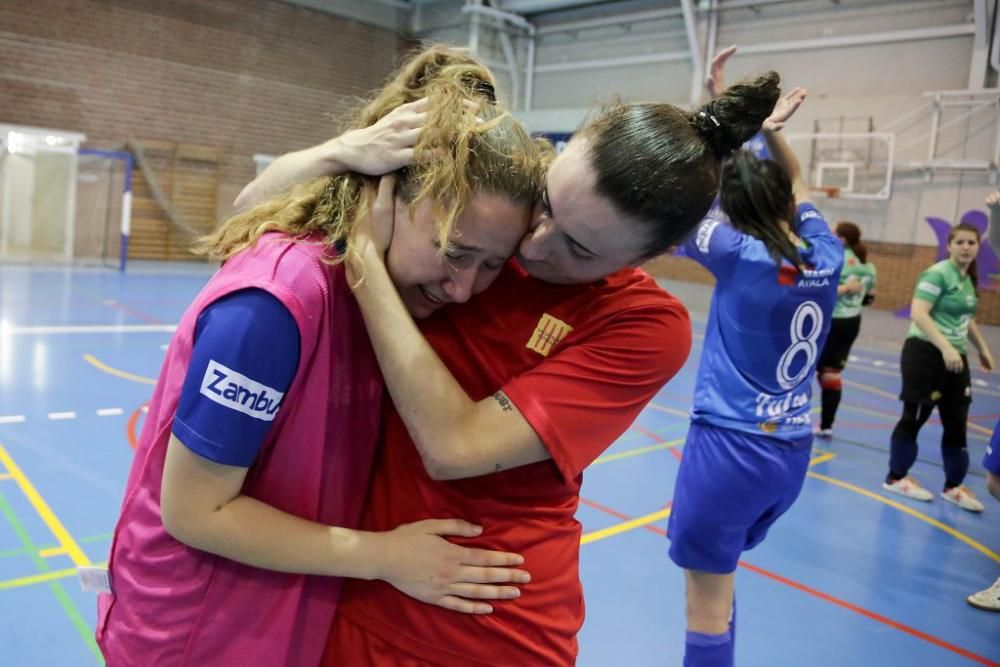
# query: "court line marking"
{"points": [[958, 535], [132, 312], [88, 329], [75, 618], [51, 552], [40, 578], [619, 528], [45, 512], [638, 451], [879, 392], [102, 537], [919, 634], [668, 410], [101, 366], [985, 391], [826, 456], [56, 416]]}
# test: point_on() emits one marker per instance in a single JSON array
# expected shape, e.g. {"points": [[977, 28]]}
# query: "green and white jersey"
{"points": [[953, 300], [849, 304]]}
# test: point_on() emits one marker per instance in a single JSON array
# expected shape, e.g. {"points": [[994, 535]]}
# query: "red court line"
{"points": [[919, 634], [657, 439], [138, 314]]}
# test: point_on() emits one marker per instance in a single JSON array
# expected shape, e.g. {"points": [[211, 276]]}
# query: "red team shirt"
{"points": [[580, 362]]}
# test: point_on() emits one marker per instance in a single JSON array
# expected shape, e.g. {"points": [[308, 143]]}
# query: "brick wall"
{"points": [[898, 267], [249, 76]]}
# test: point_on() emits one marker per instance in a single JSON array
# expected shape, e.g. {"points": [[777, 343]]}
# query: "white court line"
{"points": [[109, 412], [55, 416], [12, 419], [89, 329]]}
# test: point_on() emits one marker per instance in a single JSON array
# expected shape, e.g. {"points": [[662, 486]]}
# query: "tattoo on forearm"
{"points": [[504, 402]]}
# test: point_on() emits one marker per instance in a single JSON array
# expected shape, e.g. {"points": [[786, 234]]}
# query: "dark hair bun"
{"points": [[738, 113]]}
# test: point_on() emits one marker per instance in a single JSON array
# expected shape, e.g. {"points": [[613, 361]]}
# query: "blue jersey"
{"points": [[757, 145], [991, 459], [766, 326], [245, 356]]}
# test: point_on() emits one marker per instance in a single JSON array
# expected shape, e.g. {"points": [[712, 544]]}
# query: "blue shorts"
{"points": [[991, 461], [731, 487]]}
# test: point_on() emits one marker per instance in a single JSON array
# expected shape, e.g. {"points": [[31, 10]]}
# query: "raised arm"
{"points": [[715, 82], [993, 232], [778, 146], [378, 149]]}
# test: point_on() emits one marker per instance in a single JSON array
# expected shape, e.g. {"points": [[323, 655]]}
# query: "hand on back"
{"points": [[429, 568]]}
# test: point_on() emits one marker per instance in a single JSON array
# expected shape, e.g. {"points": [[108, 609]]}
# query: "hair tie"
{"points": [[706, 114], [485, 89]]}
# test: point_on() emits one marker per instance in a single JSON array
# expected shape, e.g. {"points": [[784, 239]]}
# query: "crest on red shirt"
{"points": [[547, 334]]}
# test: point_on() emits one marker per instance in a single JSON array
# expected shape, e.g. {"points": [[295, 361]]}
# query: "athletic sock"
{"points": [[830, 402], [701, 650], [902, 454], [956, 465]]}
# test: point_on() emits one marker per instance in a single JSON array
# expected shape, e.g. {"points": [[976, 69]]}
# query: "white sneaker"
{"points": [[825, 433], [988, 600], [910, 488], [964, 498]]}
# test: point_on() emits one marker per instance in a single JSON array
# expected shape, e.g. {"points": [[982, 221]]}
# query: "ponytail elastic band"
{"points": [[705, 114], [486, 89]]}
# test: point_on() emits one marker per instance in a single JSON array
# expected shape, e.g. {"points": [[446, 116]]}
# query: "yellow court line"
{"points": [[52, 551], [822, 458], [891, 374], [639, 451], [875, 413], [101, 366], [59, 531], [962, 537], [669, 411], [5, 475], [875, 390], [40, 578], [611, 531]]}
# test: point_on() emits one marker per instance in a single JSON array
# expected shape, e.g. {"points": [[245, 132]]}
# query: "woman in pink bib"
{"points": [[242, 505]]}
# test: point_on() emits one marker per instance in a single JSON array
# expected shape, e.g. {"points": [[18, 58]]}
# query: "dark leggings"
{"points": [[954, 415]]}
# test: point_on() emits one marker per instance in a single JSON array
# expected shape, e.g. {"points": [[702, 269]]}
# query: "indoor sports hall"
{"points": [[129, 127]]}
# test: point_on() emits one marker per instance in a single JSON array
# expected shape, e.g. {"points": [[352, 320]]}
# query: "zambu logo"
{"points": [[238, 392]]}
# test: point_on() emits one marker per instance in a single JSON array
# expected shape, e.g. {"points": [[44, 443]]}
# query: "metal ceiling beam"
{"points": [[539, 6], [697, 68], [604, 22], [980, 45]]}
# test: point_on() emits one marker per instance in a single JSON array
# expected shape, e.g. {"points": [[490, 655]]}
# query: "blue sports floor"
{"points": [[849, 576]]}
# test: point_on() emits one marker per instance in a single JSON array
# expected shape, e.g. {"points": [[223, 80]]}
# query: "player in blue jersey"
{"points": [[989, 599], [776, 265]]}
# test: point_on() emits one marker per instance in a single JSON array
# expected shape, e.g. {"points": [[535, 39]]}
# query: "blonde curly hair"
{"points": [[461, 152]]}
